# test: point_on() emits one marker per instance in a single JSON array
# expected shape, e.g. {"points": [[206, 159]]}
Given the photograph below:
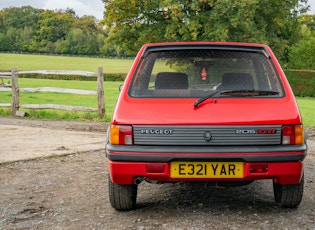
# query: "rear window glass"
{"points": [[199, 72]]}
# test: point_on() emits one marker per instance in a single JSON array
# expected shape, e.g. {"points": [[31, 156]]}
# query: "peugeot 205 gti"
{"points": [[205, 111]]}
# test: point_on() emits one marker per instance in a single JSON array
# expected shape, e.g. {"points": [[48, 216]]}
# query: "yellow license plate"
{"points": [[207, 169]]}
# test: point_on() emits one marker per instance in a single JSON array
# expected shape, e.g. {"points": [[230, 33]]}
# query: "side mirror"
{"points": [[120, 87]]}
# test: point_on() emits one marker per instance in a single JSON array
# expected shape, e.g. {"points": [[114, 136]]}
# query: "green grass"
{"points": [[307, 107], [45, 62]]}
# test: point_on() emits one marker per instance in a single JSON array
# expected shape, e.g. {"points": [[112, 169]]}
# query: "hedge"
{"points": [[302, 82], [107, 77]]}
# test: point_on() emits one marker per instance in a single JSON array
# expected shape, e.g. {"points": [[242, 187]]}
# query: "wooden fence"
{"points": [[14, 88]]}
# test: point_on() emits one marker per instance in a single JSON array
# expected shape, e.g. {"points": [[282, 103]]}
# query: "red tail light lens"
{"points": [[292, 135], [120, 135]]}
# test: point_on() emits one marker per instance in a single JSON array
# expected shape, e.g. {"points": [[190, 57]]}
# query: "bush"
{"points": [[302, 82], [114, 76], [302, 53]]}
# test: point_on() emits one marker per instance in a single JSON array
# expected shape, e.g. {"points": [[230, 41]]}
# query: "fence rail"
{"points": [[14, 88]]}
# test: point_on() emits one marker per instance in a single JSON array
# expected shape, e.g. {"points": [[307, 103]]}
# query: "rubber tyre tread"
{"points": [[289, 195], [122, 197]]}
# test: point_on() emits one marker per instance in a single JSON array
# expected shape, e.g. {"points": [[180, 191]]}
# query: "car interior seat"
{"points": [[171, 80], [237, 81]]}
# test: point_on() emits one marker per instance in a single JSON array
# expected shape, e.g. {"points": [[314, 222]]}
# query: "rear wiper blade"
{"points": [[267, 92], [250, 92], [200, 100]]}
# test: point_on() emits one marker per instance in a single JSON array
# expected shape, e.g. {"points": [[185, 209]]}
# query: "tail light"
{"points": [[120, 135], [292, 135]]}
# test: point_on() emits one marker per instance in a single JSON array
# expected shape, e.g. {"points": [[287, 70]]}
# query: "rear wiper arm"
{"points": [[258, 92], [200, 100]]}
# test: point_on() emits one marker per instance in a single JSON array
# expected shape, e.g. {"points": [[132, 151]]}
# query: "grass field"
{"points": [[307, 106], [44, 62]]}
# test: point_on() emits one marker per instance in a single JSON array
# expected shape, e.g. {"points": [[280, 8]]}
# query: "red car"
{"points": [[223, 113]]}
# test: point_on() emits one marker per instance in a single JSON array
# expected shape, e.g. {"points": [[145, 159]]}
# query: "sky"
{"points": [[81, 7]]}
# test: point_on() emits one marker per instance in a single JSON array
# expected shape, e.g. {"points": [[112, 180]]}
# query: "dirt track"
{"points": [[70, 192]]}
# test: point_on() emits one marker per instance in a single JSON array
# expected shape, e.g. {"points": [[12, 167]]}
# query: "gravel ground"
{"points": [[70, 192]]}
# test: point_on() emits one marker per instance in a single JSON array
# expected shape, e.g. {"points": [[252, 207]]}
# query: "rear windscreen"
{"points": [[191, 73]]}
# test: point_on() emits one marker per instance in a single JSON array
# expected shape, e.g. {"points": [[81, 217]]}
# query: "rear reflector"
{"points": [[259, 168], [155, 168]]}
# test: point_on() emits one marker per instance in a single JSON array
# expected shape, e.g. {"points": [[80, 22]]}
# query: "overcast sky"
{"points": [[81, 7]]}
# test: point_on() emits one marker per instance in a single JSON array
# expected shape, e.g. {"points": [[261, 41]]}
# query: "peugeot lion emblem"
{"points": [[207, 136]]}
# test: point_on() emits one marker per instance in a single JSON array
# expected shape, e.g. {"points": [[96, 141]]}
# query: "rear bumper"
{"points": [[206, 153], [285, 163], [127, 172]]}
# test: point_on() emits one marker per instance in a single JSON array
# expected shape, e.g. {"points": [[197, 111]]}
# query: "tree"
{"points": [[86, 23], [133, 23], [20, 17], [302, 53], [17, 25], [52, 26], [4, 42], [307, 21], [30, 30], [12, 36]]}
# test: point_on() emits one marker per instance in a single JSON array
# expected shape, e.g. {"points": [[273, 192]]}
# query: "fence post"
{"points": [[100, 93], [15, 91]]}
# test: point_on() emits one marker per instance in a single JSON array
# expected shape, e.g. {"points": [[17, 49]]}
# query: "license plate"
{"points": [[207, 169]]}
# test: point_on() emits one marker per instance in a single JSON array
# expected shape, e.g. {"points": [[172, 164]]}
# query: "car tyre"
{"points": [[288, 195], [122, 196]]}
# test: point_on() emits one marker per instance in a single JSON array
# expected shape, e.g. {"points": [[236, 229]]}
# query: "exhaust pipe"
{"points": [[138, 180]]}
